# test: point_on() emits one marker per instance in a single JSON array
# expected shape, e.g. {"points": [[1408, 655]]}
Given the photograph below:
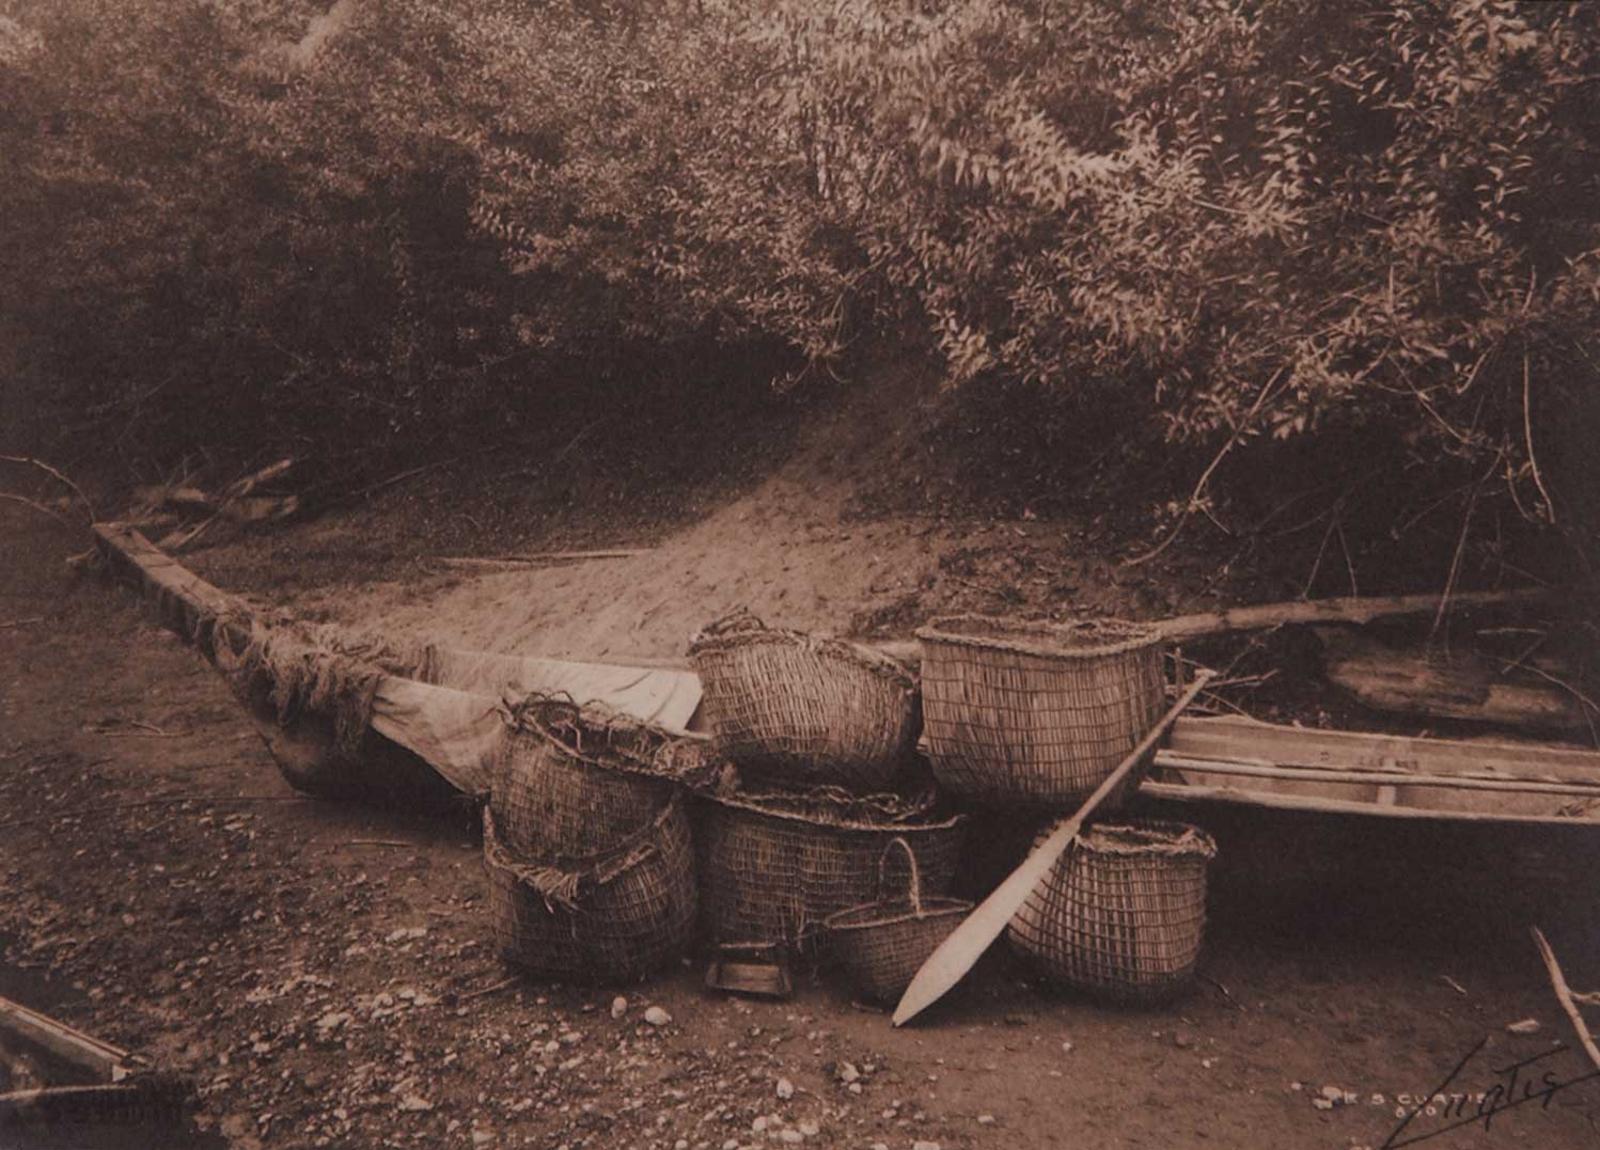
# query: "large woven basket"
{"points": [[802, 708], [611, 917], [774, 866], [570, 781], [1122, 914], [883, 944], [1035, 714]]}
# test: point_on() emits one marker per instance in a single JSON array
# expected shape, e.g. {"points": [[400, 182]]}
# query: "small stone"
{"points": [[848, 1072], [1322, 1104], [731, 1144], [986, 1120], [681, 1144], [1296, 1086], [415, 1102], [1066, 1046], [785, 1089], [854, 1088], [759, 1126], [1182, 1039], [919, 1144], [791, 1137], [1333, 1093], [619, 1006], [656, 1016], [1208, 1063], [810, 1128], [482, 1137], [1524, 1026]]}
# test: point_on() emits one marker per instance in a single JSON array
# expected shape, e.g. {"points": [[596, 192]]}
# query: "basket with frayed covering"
{"points": [[883, 944], [774, 866], [1035, 714], [613, 916], [804, 708], [571, 780], [1122, 913]]}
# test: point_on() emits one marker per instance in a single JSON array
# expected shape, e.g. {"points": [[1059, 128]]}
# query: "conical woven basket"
{"points": [[1035, 715], [774, 866], [804, 709], [569, 781], [883, 944], [1122, 914], [611, 917]]}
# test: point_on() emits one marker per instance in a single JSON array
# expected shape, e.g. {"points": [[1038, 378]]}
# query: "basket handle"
{"points": [[915, 873]]}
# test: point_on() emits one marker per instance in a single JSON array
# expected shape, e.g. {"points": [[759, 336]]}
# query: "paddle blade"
{"points": [[956, 955]]}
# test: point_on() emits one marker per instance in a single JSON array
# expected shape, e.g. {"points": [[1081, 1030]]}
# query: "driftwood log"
{"points": [[1467, 687]]}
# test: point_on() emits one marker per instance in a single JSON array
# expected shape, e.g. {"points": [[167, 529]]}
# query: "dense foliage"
{"points": [[278, 222]]}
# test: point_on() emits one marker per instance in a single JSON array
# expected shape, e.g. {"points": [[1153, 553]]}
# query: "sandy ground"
{"points": [[323, 972]]}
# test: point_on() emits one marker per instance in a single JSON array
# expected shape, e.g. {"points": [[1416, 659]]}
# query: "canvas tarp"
{"points": [[454, 725]]}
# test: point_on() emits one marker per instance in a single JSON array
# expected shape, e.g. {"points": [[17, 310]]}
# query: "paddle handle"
{"points": [[966, 944]]}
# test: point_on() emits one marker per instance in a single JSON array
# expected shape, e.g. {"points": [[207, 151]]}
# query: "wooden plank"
{"points": [[1170, 760], [1189, 792], [1248, 740], [64, 1042]]}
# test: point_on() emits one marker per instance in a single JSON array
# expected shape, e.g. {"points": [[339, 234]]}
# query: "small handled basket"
{"points": [[883, 944]]}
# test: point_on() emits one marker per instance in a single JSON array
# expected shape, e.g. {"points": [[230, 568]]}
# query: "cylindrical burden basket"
{"points": [[572, 781], [612, 917], [773, 867], [1035, 714], [883, 944], [1122, 913], [805, 709]]}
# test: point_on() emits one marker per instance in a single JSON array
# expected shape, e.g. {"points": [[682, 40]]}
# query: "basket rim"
{"points": [[745, 630], [1044, 637], [750, 802], [840, 920], [525, 715], [1148, 838]]}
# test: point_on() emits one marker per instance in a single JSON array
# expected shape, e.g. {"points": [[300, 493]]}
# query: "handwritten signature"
{"points": [[1516, 1086]]}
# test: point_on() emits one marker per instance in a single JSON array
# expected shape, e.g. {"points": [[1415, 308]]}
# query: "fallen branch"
{"points": [[28, 622], [1205, 476], [1348, 609], [26, 502], [494, 988], [1527, 431], [538, 558], [1558, 983], [29, 460]]}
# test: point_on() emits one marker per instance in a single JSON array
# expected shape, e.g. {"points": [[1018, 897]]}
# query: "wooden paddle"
{"points": [[949, 964]]}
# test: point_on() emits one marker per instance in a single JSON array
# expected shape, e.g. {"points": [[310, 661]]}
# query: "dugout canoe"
{"points": [[444, 729]]}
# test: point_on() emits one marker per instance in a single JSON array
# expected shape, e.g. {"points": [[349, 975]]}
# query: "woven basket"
{"points": [[883, 944], [612, 917], [1035, 714], [570, 781], [1123, 911], [802, 708], [774, 866]]}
